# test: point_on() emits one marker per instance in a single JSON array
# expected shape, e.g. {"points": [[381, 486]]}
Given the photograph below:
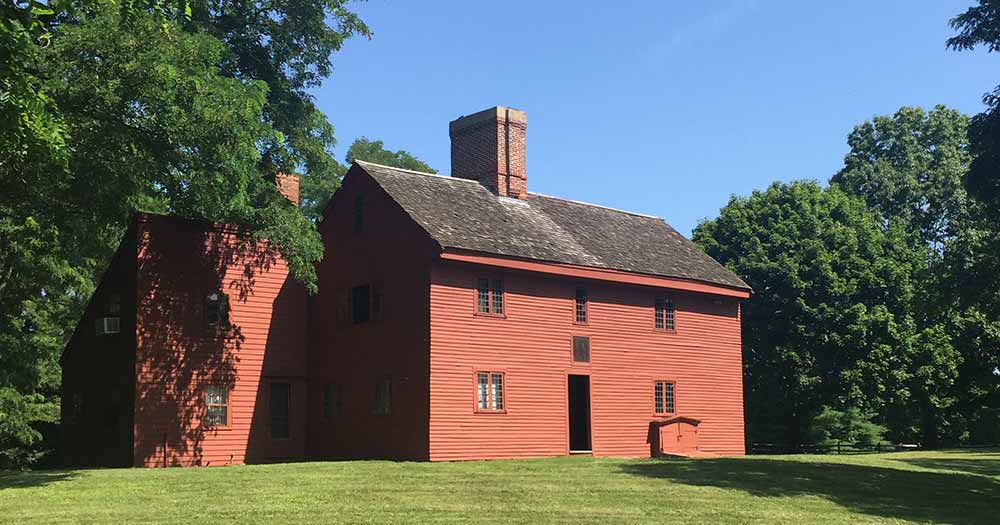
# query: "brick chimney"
{"points": [[489, 147], [288, 185]]}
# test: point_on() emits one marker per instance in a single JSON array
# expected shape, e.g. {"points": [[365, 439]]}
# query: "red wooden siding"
{"points": [[532, 345], [179, 264], [391, 253]]}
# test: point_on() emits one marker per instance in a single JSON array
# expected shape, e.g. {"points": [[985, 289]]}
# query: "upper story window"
{"points": [[581, 306], [489, 392], [359, 213], [665, 315], [217, 310], [489, 296], [114, 305], [581, 349], [216, 406], [663, 398], [361, 304]]}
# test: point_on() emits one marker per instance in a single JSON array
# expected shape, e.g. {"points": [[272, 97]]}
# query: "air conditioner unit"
{"points": [[107, 325]]}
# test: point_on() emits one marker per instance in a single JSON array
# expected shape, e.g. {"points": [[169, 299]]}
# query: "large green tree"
{"points": [[828, 323], [909, 167], [980, 26], [110, 108], [287, 45]]}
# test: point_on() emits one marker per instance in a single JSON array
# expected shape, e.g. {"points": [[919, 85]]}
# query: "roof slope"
{"points": [[462, 214]]}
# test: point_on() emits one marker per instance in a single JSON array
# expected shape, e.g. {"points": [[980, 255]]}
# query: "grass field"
{"points": [[922, 487]]}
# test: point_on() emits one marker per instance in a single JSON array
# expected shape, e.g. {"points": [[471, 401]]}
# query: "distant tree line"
{"points": [[877, 296]]}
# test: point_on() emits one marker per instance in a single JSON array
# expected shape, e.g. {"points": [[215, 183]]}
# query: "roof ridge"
{"points": [[415, 172], [598, 206], [449, 177]]}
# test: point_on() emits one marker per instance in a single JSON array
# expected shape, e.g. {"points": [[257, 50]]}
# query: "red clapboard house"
{"points": [[458, 317]]}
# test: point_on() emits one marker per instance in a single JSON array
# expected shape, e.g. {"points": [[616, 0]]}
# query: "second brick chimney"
{"points": [[288, 185], [489, 147]]}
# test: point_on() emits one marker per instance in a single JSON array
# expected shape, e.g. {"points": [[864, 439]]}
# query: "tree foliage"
{"points": [[167, 107], [910, 168], [861, 288], [830, 319], [316, 191], [975, 260], [980, 25], [851, 426]]}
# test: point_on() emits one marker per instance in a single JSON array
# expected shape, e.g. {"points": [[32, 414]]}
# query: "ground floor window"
{"points": [[281, 397], [383, 397], [339, 406], [663, 397], [216, 406], [327, 400], [489, 392]]}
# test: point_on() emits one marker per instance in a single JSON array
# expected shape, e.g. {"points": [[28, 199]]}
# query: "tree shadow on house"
{"points": [[186, 341], [878, 491]]}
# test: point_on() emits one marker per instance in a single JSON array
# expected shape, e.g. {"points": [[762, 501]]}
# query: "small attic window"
{"points": [[114, 305], [359, 213]]}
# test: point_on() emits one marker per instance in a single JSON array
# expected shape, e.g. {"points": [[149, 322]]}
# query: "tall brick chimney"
{"points": [[288, 185], [489, 147]]}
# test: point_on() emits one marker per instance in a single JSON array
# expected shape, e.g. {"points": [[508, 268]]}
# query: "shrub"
{"points": [[835, 427]]}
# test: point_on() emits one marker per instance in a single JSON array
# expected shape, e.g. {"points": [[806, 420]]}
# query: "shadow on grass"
{"points": [[12, 479], [981, 467], [878, 491]]}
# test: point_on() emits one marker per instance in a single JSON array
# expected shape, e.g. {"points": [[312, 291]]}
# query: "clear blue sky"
{"points": [[665, 108]]}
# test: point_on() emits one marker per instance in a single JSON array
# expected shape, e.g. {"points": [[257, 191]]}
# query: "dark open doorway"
{"points": [[579, 414]]}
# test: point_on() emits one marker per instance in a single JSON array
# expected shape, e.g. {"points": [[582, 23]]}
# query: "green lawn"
{"points": [[940, 487]]}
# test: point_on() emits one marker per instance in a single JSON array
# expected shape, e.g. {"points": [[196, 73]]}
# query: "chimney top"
{"points": [[488, 146], [487, 115]]}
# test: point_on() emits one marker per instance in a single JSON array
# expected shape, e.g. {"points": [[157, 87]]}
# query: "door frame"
{"points": [[590, 410]]}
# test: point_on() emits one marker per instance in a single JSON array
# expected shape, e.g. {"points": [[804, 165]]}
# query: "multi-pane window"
{"points": [[489, 392], [359, 213], [581, 306], [489, 296], [581, 349], [361, 304], [663, 397], [383, 397], [217, 310], [281, 398], [216, 406], [665, 315], [114, 305]]}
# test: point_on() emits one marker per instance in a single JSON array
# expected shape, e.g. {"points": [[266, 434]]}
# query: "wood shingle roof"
{"points": [[462, 214]]}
